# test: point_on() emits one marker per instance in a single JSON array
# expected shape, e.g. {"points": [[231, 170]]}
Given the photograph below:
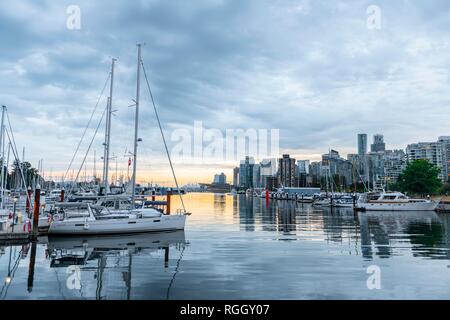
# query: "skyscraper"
{"points": [[378, 144], [362, 144], [286, 171], [246, 172], [362, 155], [236, 176]]}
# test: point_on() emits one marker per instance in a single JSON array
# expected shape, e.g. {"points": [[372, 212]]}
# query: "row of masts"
{"points": [[109, 112]]}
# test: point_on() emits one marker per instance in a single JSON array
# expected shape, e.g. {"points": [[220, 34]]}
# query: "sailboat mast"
{"points": [[136, 125], [108, 130], [2, 148]]}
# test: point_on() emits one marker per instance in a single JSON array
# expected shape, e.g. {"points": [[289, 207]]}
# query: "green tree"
{"points": [[420, 177]]}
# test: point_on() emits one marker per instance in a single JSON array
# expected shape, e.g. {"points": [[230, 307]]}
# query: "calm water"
{"points": [[236, 248]]}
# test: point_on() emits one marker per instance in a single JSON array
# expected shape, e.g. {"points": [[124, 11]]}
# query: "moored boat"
{"points": [[393, 201]]}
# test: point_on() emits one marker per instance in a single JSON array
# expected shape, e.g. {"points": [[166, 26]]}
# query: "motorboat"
{"points": [[96, 220], [393, 201], [343, 202]]}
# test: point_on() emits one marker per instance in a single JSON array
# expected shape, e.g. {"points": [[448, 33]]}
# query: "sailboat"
{"points": [[97, 220]]}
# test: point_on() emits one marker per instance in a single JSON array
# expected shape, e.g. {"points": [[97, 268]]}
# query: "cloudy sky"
{"points": [[312, 69]]}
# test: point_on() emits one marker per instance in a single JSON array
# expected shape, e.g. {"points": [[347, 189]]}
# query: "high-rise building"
{"points": [[362, 144], [246, 172], [394, 164], [303, 167], [378, 144], [268, 168], [220, 179], [286, 171], [334, 167], [431, 151], [445, 145], [236, 176], [363, 163], [256, 176]]}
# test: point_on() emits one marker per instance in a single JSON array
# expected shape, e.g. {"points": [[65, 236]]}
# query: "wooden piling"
{"points": [[37, 203], [63, 192], [169, 194], [28, 203]]}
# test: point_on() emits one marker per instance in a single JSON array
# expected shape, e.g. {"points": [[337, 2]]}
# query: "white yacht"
{"points": [[393, 201], [99, 220]]}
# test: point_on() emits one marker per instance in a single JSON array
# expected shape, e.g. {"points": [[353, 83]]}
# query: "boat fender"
{"points": [[27, 226]]}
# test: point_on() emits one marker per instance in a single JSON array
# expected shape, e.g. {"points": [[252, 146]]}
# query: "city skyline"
{"points": [[317, 73]]}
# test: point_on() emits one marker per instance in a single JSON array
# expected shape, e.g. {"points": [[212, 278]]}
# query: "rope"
{"points": [[87, 126], [162, 134], [88, 149], [16, 153]]}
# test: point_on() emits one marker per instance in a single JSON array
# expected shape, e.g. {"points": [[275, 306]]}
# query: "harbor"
{"points": [[234, 247], [224, 158]]}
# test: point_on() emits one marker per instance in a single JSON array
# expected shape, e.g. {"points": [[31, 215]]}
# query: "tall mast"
{"points": [[2, 148], [136, 124], [108, 130]]}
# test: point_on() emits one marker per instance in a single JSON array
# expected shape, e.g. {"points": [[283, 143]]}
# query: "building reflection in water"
{"points": [[367, 233], [113, 256]]}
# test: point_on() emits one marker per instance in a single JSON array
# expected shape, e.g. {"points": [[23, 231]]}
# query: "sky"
{"points": [[314, 70]]}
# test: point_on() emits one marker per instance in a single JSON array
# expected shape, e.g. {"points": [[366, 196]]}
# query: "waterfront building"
{"points": [[314, 173], [236, 177], [394, 164], [268, 168], [286, 171], [337, 169], [378, 144], [431, 151], [220, 179], [445, 144], [246, 172], [272, 183], [303, 167], [256, 176]]}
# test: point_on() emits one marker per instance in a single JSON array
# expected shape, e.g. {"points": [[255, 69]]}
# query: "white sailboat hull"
{"points": [[118, 226]]}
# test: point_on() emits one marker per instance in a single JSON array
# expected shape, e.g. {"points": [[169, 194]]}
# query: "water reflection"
{"points": [[108, 260], [377, 233], [235, 244]]}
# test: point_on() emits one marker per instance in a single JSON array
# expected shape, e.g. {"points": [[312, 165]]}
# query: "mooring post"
{"points": [[37, 203], [169, 194], [27, 205], [63, 192], [267, 198], [153, 195]]}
